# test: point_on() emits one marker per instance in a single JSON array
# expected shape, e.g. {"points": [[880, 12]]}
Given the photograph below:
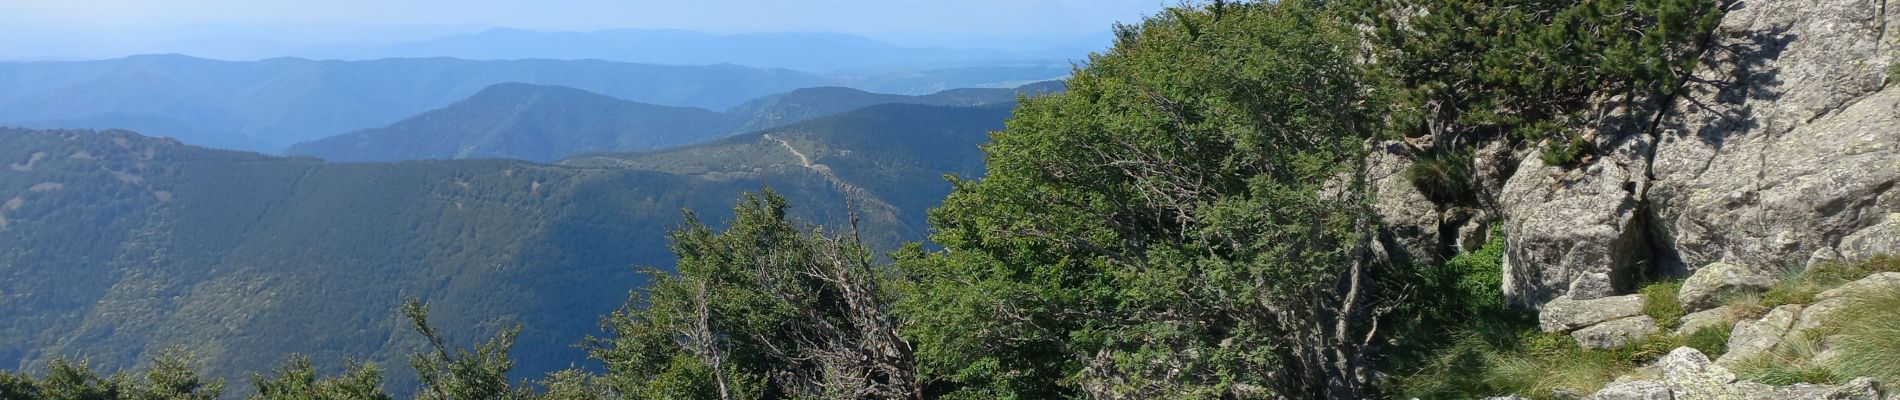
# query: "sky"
{"points": [[47, 28]]}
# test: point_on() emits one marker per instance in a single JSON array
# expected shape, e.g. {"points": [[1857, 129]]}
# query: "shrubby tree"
{"points": [[172, 376], [764, 309], [1462, 71], [459, 374], [297, 380], [1182, 223]]}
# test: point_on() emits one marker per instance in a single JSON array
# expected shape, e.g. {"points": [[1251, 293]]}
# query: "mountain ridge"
{"points": [[548, 123], [146, 238]]}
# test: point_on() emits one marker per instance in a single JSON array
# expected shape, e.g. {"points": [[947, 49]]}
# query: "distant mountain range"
{"points": [[546, 123], [268, 105], [115, 245], [819, 52]]}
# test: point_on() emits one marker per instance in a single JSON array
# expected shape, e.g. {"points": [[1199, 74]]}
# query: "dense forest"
{"points": [[1195, 218]]}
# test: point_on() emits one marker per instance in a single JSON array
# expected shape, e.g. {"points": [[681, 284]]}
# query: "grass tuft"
{"points": [[1659, 302], [1712, 341], [1790, 363], [1443, 176], [1869, 341]]}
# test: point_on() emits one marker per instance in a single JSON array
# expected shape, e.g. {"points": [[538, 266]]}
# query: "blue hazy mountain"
{"points": [[265, 105], [819, 52], [547, 123]]}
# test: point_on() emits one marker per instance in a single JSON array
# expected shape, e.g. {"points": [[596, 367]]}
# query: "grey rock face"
{"points": [[1690, 375], [1755, 337], [1702, 319], [1793, 156], [1701, 290], [1857, 389], [1614, 334], [1565, 314], [1574, 233], [1633, 390], [1411, 220]]}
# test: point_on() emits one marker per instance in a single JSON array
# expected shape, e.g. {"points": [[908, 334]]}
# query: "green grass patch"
{"points": [[1866, 331], [1489, 356], [1791, 362], [1893, 73], [1800, 287], [1659, 302], [1530, 363], [1869, 341], [1712, 341]]}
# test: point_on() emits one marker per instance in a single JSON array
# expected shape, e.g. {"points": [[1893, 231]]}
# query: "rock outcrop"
{"points": [[1565, 314], [1753, 338], [1783, 151], [1703, 289], [1688, 375], [1614, 334], [1411, 220], [1577, 232], [1788, 150]]}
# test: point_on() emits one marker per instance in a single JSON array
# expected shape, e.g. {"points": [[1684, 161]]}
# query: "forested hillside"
{"points": [[899, 152], [547, 123], [117, 246]]}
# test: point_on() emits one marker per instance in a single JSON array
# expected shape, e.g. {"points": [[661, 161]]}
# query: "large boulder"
{"points": [[1787, 150], [1688, 375], [1703, 289], [1754, 338], [1633, 390], [1411, 221], [1580, 232], [1614, 334], [1695, 321], [1565, 314]]}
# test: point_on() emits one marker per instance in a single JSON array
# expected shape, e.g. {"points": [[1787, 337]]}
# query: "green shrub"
{"points": [[1659, 302], [1485, 69], [1561, 145]]}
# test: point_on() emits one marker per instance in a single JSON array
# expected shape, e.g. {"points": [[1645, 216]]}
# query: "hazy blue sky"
{"points": [[54, 24]]}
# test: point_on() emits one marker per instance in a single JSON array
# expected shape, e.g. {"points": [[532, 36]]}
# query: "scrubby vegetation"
{"points": [[1460, 72], [1494, 349]]}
